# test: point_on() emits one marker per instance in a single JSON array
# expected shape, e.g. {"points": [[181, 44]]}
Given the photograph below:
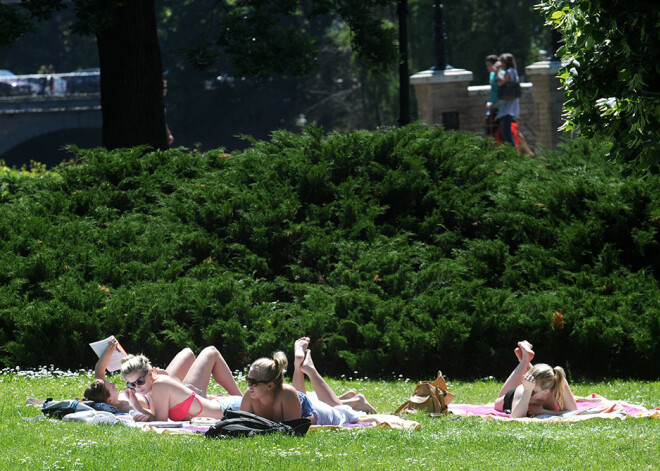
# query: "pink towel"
{"points": [[592, 405]]}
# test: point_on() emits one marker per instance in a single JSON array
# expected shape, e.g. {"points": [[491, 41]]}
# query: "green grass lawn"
{"points": [[443, 443]]}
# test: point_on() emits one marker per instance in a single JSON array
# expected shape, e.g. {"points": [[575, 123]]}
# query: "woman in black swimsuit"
{"points": [[534, 390]]}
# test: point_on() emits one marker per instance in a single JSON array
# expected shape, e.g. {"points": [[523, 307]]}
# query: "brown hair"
{"points": [[97, 391], [492, 58], [508, 60]]}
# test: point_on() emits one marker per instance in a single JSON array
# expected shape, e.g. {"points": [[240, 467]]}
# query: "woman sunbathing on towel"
{"points": [[303, 365], [534, 390], [174, 399], [268, 396], [102, 390]]}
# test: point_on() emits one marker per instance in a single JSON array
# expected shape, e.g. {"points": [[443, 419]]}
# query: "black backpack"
{"points": [[58, 409], [238, 423]]}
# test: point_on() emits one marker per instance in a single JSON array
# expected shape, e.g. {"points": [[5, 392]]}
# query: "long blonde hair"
{"points": [[134, 363], [271, 369], [551, 378]]}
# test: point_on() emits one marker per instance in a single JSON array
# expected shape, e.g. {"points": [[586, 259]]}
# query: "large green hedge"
{"points": [[406, 250]]}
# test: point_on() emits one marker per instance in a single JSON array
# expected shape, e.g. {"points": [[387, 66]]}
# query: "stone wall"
{"points": [[446, 98]]}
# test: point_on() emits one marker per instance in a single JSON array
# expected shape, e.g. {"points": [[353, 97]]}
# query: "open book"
{"points": [[115, 360]]}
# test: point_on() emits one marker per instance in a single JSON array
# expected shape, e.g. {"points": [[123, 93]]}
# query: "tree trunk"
{"points": [[131, 78]]}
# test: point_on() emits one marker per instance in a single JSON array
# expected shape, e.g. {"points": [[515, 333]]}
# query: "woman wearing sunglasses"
{"points": [[176, 400], [268, 396], [103, 391]]}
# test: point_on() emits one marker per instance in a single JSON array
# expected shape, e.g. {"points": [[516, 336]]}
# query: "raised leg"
{"points": [[180, 364], [299, 353], [515, 378], [210, 362], [323, 391]]}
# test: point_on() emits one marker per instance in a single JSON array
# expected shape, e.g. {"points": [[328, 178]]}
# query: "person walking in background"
{"points": [[51, 79], [43, 81], [505, 108], [509, 106], [492, 123]]}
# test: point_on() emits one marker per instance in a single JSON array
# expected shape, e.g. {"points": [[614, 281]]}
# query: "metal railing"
{"points": [[46, 85]]}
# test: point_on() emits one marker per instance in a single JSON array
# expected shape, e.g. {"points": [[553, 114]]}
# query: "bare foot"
{"points": [[359, 402], [526, 350], [518, 353], [307, 364], [348, 394], [299, 350]]}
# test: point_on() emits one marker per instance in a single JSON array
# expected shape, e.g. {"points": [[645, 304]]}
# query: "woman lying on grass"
{"points": [[303, 365], [102, 390], [176, 400], [534, 390], [268, 396]]}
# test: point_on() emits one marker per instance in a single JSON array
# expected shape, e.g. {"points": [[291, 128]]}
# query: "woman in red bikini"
{"points": [[534, 390], [102, 390], [173, 399]]}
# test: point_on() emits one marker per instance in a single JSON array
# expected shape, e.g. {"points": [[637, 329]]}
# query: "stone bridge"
{"points": [[36, 127]]}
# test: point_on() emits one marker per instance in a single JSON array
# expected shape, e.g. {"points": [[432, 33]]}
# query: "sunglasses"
{"points": [[251, 382], [138, 382]]}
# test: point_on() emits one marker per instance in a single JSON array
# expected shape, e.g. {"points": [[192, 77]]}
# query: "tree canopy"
{"points": [[257, 36], [611, 74], [346, 65]]}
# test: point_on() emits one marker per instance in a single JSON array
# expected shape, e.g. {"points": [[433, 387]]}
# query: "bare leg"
{"points": [[523, 144], [516, 376], [323, 391], [348, 395], [303, 364], [180, 364], [359, 402], [518, 353], [210, 362], [299, 352]]}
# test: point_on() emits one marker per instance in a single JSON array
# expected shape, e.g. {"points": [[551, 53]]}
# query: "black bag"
{"points": [[238, 423], [58, 409], [509, 91]]}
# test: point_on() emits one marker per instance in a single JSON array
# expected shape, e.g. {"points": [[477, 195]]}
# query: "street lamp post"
{"points": [[439, 37]]}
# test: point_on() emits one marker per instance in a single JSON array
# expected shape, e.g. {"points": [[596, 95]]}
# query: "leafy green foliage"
{"points": [[611, 75], [401, 250]]}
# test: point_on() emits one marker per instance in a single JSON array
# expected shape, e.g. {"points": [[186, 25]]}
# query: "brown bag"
{"points": [[432, 397]]}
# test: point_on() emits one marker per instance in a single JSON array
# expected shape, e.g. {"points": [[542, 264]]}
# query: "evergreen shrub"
{"points": [[406, 250]]}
